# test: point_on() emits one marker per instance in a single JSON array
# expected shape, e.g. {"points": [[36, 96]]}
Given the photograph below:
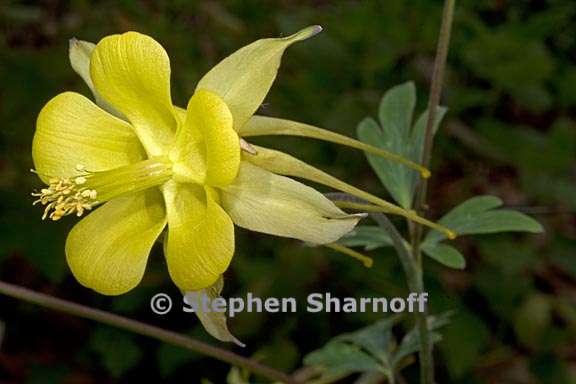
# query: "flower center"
{"points": [[74, 195]]}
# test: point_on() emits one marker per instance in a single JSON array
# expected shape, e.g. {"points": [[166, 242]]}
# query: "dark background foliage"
{"points": [[510, 132]]}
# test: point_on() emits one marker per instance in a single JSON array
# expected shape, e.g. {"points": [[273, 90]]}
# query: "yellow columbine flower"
{"points": [[152, 165]]}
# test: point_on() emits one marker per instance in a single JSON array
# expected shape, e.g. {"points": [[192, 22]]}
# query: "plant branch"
{"points": [[434, 100], [143, 329], [426, 357]]}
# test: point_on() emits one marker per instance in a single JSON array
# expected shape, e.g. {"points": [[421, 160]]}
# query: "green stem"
{"points": [[400, 246], [412, 269], [426, 358], [143, 329]]}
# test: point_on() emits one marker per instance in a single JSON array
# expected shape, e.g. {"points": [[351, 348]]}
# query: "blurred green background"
{"points": [[510, 132]]}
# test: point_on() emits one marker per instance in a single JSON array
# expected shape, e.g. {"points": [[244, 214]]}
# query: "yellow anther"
{"points": [[64, 197], [80, 180], [79, 193], [91, 193]]}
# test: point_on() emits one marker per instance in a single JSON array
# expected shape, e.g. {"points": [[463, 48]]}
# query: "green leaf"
{"points": [[368, 349], [376, 339], [478, 216], [368, 236], [117, 350], [411, 342], [419, 132], [395, 115], [477, 204], [337, 359], [396, 110], [446, 255], [371, 349], [391, 175], [395, 133]]}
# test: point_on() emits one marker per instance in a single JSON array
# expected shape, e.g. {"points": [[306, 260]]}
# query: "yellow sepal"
{"points": [[262, 201], [243, 79]]}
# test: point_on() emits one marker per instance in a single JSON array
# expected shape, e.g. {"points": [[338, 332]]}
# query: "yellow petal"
{"points": [[244, 78], [79, 52], [200, 240], [262, 125], [107, 250], [72, 130], [264, 202], [132, 73], [284, 164], [207, 147]]}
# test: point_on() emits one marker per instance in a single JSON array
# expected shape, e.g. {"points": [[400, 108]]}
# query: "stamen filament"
{"points": [[77, 194], [132, 178]]}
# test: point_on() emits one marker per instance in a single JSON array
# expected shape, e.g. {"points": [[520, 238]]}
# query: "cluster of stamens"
{"points": [[65, 196]]}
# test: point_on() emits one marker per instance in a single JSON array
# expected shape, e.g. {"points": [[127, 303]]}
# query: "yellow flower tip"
{"points": [[367, 261], [424, 172], [316, 30], [306, 33], [412, 215], [238, 342], [451, 235]]}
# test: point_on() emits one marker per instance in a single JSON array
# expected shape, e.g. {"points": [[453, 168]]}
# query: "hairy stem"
{"points": [[143, 329], [426, 358]]}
